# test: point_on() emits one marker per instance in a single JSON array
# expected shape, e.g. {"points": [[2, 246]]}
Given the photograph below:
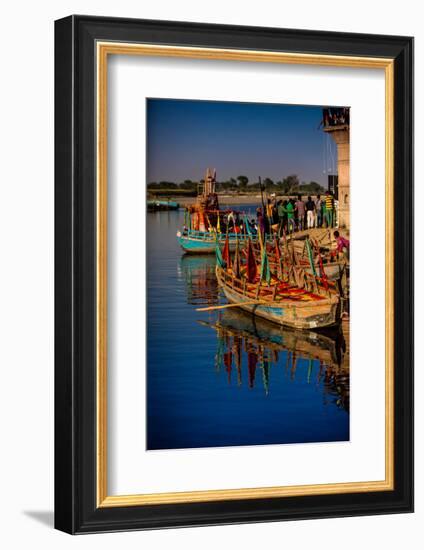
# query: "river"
{"points": [[226, 378]]}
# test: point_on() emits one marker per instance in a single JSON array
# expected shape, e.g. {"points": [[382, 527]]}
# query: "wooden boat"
{"points": [[159, 205], [295, 251], [323, 254], [205, 223], [280, 303], [204, 242], [316, 255], [290, 296], [329, 266]]}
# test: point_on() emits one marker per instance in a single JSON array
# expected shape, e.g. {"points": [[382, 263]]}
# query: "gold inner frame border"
{"points": [[103, 50]]}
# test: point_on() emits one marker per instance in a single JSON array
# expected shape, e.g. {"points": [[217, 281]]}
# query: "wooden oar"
{"points": [[253, 303], [238, 304]]}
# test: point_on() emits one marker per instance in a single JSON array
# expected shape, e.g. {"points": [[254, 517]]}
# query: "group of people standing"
{"points": [[335, 116], [292, 215]]}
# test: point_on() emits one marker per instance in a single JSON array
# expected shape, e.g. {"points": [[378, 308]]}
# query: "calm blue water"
{"points": [[218, 379]]}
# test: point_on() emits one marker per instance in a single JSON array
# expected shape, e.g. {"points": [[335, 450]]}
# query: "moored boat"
{"points": [[308, 255], [205, 223], [204, 242], [290, 307], [158, 205], [292, 297]]}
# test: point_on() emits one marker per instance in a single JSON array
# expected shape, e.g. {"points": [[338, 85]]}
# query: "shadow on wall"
{"points": [[46, 517]]}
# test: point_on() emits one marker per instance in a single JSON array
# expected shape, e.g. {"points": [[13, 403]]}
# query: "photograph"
{"points": [[248, 265]]}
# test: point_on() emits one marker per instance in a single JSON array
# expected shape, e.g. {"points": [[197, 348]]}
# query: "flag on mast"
{"points": [[265, 271], [236, 263], [226, 252], [252, 269], [219, 259], [278, 258]]}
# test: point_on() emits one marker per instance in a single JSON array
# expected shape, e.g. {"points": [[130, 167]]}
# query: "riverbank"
{"points": [[223, 199]]}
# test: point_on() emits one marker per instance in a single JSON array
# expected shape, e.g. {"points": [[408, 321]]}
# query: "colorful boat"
{"points": [[205, 223], [292, 297], [204, 242], [308, 256], [158, 205]]}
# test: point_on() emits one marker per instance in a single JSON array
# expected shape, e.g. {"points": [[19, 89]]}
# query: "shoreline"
{"points": [[223, 199], [249, 199]]}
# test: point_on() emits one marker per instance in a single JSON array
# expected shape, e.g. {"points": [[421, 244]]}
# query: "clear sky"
{"points": [[184, 137]]}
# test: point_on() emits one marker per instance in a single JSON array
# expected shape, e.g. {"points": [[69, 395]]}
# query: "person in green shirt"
{"points": [[289, 211]]}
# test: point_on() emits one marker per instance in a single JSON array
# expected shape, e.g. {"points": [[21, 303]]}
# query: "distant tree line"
{"points": [[287, 186]]}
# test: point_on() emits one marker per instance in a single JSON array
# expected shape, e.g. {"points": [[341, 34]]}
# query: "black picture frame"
{"points": [[76, 510]]}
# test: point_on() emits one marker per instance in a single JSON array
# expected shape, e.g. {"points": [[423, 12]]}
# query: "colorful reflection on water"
{"points": [[226, 377]]}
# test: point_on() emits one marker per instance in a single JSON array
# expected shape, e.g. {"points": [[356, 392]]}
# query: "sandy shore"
{"points": [[223, 199]]}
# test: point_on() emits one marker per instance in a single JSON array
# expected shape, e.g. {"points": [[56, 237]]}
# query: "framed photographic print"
{"points": [[234, 287]]}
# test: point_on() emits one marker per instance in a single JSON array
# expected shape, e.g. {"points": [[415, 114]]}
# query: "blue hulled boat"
{"points": [[158, 205], [204, 242], [205, 223]]}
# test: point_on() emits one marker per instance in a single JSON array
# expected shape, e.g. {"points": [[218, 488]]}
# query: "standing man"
{"points": [[318, 212], [274, 217], [300, 209], [282, 216], [310, 213], [329, 209], [336, 213], [289, 210]]}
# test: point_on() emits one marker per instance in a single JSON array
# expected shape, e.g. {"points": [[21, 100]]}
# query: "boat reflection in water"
{"points": [[246, 341], [198, 272], [248, 347]]}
